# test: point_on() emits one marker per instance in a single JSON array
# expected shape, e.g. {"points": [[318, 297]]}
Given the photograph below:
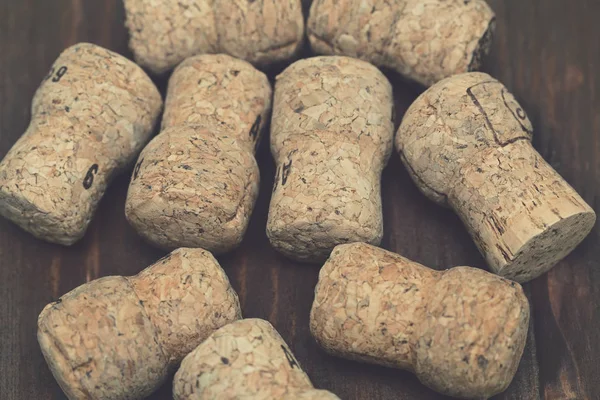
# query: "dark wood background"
{"points": [[546, 51]]}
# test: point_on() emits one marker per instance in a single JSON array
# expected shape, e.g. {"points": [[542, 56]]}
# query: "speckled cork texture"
{"points": [[246, 359], [163, 33], [461, 331], [196, 183], [90, 117], [425, 41], [120, 337], [331, 136], [467, 143]]}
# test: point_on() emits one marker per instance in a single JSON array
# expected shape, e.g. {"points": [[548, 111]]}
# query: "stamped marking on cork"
{"points": [[246, 359], [331, 135], [92, 114], [473, 152], [196, 183], [255, 127], [290, 357], [59, 74], [424, 41], [89, 176], [461, 331]]}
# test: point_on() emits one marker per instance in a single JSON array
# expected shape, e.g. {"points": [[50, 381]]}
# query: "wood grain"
{"points": [[547, 53]]}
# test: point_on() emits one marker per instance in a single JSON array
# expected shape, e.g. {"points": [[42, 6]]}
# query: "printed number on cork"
{"points": [[89, 177], [255, 127], [479, 94], [59, 74], [290, 357], [277, 172], [285, 172], [136, 171]]}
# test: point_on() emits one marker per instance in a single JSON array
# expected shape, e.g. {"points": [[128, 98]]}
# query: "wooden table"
{"points": [[546, 51]]}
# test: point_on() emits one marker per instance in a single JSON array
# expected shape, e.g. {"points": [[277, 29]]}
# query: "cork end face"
{"points": [[483, 46], [472, 338], [55, 358], [177, 228], [99, 342], [313, 242], [544, 250], [44, 225]]}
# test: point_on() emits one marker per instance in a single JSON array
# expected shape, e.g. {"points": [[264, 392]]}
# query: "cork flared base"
{"points": [[194, 186], [522, 215], [16, 208], [546, 249]]}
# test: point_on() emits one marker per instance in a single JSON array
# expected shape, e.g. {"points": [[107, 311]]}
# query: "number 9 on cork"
{"points": [[90, 117], [331, 135]]}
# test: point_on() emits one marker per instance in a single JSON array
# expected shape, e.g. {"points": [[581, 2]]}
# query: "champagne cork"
{"points": [[90, 117], [196, 183], [461, 331], [246, 359], [467, 143], [120, 337], [163, 33], [331, 136], [425, 41]]}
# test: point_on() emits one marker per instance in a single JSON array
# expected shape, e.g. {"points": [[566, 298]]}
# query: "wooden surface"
{"points": [[546, 51]]}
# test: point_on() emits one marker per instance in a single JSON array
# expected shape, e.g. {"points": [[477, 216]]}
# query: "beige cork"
{"points": [[425, 41], [196, 183], [467, 143], [331, 136], [120, 337], [90, 117], [461, 331], [163, 33], [246, 359]]}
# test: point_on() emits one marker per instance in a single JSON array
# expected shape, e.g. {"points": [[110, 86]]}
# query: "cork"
{"points": [[246, 359], [90, 117], [196, 183], [331, 136], [120, 337], [461, 331], [425, 41], [467, 143], [163, 33]]}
